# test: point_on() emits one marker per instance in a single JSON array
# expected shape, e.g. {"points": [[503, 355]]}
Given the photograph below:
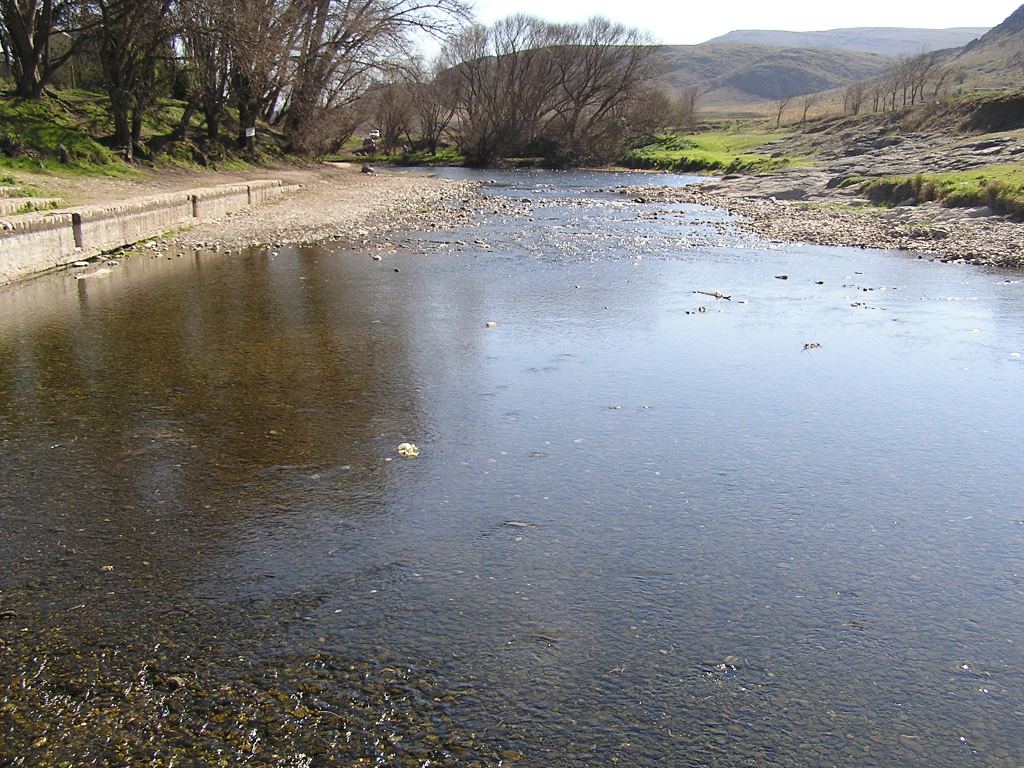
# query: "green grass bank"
{"points": [[1001, 187], [722, 151]]}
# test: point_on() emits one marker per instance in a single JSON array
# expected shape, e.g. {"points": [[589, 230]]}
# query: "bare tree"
{"points": [[261, 36], [394, 113], [654, 112], [806, 103], [205, 47], [133, 35], [688, 99], [877, 89], [892, 85], [904, 75], [28, 30], [432, 97], [598, 65], [921, 69], [345, 45], [780, 107], [502, 78], [567, 92], [904, 84], [941, 77]]}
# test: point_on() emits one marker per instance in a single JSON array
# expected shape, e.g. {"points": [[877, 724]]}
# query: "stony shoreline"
{"points": [[931, 231], [340, 204], [337, 202]]}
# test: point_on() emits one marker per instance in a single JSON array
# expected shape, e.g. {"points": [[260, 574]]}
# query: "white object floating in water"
{"points": [[490, 324], [1015, 354], [408, 450], [98, 273]]}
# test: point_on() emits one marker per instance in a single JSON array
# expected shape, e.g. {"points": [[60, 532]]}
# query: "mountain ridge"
{"points": [[883, 41], [735, 74], [995, 61]]}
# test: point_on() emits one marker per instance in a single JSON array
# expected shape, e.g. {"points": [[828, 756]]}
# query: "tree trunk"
{"points": [[27, 47], [212, 115], [137, 128], [181, 132], [120, 109], [28, 86], [247, 109], [245, 117]]}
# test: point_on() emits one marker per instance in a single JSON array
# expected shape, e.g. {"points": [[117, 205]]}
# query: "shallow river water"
{"points": [[646, 527]]}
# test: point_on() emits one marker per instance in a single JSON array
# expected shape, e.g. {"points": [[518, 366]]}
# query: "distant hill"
{"points": [[884, 41], [996, 60], [734, 76], [742, 72]]}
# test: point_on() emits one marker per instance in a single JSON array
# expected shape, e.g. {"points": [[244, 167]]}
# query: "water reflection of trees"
{"points": [[198, 398]]}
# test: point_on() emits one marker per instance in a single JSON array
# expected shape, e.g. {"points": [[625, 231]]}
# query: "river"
{"points": [[647, 526]]}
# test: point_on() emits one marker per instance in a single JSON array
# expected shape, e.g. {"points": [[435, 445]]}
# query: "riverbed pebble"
{"points": [[966, 236], [342, 205]]}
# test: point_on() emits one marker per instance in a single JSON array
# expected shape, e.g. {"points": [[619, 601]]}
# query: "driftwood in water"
{"points": [[715, 295]]}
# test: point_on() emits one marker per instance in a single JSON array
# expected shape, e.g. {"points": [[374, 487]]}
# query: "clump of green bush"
{"points": [[723, 151], [698, 163], [999, 188]]}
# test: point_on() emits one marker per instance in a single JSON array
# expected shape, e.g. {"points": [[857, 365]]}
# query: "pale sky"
{"points": [[693, 21]]}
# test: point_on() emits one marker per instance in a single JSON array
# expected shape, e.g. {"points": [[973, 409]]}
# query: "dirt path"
{"points": [[87, 190]]}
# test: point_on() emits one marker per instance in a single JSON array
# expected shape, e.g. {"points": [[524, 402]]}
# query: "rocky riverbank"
{"points": [[818, 201], [338, 202], [943, 234], [341, 203]]}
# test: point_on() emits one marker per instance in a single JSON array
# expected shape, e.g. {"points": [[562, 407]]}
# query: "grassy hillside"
{"points": [[992, 63], [996, 60], [47, 135], [883, 41], [70, 133], [739, 76], [725, 151]]}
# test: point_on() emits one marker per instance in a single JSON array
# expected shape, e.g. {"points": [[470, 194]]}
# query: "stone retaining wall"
{"points": [[101, 228], [36, 242], [264, 189], [13, 205], [214, 202]]}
